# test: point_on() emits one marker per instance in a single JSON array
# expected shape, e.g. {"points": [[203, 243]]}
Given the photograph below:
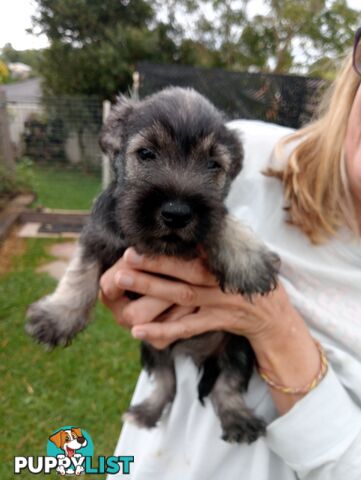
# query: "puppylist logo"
{"points": [[70, 452]]}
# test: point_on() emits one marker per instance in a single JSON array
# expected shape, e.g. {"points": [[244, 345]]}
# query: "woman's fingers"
{"points": [[144, 310], [133, 312], [191, 271], [152, 286], [117, 308], [108, 286], [175, 313], [162, 334], [175, 292]]}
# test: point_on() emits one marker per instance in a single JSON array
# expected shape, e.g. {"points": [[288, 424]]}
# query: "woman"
{"points": [[313, 412]]}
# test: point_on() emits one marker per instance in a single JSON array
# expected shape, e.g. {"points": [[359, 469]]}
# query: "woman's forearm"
{"points": [[290, 357]]}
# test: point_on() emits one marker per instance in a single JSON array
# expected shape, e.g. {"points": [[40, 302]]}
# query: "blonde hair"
{"points": [[316, 189]]}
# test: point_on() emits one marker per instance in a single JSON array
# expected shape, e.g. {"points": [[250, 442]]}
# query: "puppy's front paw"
{"points": [[238, 429], [53, 324], [248, 272], [261, 277], [143, 415]]}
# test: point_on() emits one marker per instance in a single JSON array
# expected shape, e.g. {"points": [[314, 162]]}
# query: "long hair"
{"points": [[316, 189]]}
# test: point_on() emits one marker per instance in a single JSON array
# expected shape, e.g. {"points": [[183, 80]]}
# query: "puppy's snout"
{"points": [[176, 214], [81, 440]]}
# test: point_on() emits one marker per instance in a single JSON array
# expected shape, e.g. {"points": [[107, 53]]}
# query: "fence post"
{"points": [[107, 172], [135, 86], [6, 149]]}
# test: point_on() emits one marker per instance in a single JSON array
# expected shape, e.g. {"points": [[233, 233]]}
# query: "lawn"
{"points": [[87, 384], [64, 188]]}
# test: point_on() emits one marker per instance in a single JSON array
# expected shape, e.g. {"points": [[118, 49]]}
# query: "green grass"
{"points": [[88, 384], [64, 188]]}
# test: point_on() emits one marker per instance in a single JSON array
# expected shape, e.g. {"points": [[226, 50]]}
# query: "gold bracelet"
{"points": [[299, 390]]}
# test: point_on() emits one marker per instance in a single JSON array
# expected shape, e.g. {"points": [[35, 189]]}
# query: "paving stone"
{"points": [[55, 269], [31, 230], [63, 250]]}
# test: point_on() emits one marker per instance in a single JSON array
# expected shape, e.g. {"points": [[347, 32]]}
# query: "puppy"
{"points": [[173, 160]]}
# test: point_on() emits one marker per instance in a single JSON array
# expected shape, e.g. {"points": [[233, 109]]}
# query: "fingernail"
{"points": [[124, 279], [139, 334], [134, 257]]}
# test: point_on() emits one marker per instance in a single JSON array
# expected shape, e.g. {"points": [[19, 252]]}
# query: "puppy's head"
{"points": [[174, 160]]}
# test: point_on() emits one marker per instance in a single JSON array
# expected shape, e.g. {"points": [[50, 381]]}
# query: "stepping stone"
{"points": [[55, 269], [63, 250]]}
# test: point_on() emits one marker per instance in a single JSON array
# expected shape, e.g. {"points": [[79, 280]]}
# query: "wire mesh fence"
{"points": [[57, 130], [55, 143], [283, 99]]}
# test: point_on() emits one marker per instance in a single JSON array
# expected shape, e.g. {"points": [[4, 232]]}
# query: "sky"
{"points": [[15, 18]]}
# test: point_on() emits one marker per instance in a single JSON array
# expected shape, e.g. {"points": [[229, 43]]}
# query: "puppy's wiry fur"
{"points": [[173, 160]]}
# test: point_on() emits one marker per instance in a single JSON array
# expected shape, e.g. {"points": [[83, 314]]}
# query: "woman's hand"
{"points": [[186, 301], [130, 313], [188, 304]]}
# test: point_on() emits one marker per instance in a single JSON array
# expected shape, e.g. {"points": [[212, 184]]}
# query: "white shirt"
{"points": [[320, 437]]}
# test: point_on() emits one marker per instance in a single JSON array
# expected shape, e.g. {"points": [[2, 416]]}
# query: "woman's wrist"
{"points": [[291, 358]]}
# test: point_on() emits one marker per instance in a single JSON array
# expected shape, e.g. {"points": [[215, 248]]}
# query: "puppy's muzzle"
{"points": [[176, 214]]}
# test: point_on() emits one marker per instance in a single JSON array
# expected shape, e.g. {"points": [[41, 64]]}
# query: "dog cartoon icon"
{"points": [[69, 440]]}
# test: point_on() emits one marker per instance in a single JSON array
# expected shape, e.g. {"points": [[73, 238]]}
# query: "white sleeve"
{"points": [[320, 437]]}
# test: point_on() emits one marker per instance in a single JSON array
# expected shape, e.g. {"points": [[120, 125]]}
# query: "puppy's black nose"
{"points": [[81, 440], [176, 214]]}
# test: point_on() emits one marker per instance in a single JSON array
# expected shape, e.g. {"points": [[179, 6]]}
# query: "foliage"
{"points": [[195, 53], [44, 138], [29, 57], [87, 384], [19, 181], [311, 29], [4, 72], [95, 45], [291, 36]]}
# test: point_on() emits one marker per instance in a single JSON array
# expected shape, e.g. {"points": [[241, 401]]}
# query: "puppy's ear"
{"points": [[112, 133], [235, 148]]}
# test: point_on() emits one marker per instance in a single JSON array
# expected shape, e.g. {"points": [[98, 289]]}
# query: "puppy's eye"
{"points": [[145, 154], [213, 165]]}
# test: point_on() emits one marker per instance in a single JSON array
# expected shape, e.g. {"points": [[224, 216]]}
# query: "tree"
{"points": [[95, 45], [29, 57], [292, 35], [9, 54]]}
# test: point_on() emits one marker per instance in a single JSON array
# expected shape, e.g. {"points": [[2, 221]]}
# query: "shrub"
{"points": [[19, 181], [44, 139], [4, 72]]}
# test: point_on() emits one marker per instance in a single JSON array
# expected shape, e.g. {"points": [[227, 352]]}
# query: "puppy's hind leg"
{"points": [[57, 318], [160, 364], [238, 422], [240, 261]]}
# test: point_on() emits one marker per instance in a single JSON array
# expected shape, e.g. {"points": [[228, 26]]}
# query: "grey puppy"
{"points": [[173, 160]]}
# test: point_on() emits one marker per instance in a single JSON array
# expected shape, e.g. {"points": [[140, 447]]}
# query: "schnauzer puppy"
{"points": [[173, 160]]}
